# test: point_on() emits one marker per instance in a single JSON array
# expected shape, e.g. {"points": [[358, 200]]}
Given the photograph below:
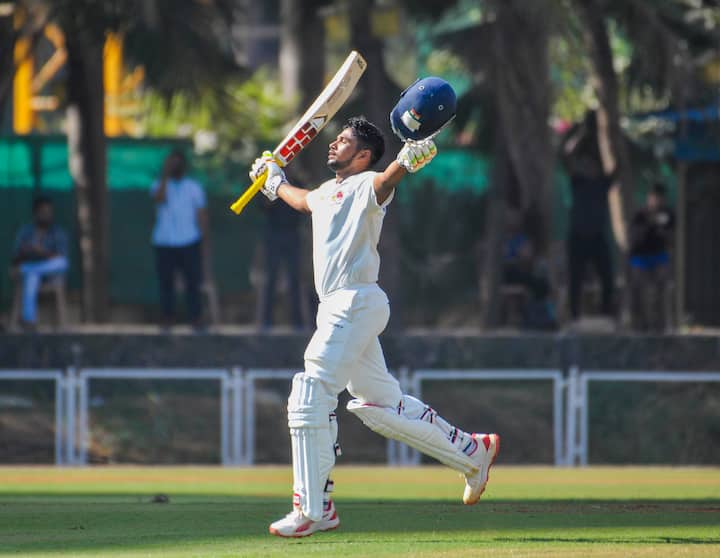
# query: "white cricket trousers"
{"points": [[345, 350]]}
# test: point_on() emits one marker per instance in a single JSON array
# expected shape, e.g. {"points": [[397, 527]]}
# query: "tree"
{"points": [[610, 138], [302, 72], [520, 77], [378, 95], [7, 46], [182, 44]]}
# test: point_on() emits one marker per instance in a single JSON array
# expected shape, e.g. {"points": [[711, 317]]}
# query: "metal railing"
{"points": [[570, 403]]}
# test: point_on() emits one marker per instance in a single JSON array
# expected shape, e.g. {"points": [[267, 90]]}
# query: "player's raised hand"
{"points": [[258, 166], [416, 154], [275, 175]]}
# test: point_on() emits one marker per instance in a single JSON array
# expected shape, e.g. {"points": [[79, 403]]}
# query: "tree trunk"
{"points": [[521, 75], [523, 156], [613, 148], [7, 63], [378, 95], [490, 273], [87, 160], [302, 70]]}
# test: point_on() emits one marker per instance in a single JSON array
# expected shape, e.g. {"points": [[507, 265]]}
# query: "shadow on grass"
{"points": [[77, 522]]}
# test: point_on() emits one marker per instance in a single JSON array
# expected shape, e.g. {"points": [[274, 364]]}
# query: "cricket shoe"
{"points": [[295, 524], [488, 446]]}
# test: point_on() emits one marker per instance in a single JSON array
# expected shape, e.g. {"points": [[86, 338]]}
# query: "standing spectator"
{"points": [[588, 231], [650, 233], [179, 238], [41, 249], [282, 248]]}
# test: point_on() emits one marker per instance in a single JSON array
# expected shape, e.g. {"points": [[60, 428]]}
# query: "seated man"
{"points": [[40, 252], [520, 268], [651, 238]]}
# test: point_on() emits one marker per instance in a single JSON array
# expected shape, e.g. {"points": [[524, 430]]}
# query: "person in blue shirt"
{"points": [[650, 240], [178, 237], [40, 252]]}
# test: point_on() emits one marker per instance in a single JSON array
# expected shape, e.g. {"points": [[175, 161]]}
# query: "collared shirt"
{"points": [[176, 222], [53, 239], [346, 221]]}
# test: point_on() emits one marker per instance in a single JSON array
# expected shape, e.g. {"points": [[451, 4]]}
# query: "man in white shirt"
{"points": [[178, 237], [347, 215]]}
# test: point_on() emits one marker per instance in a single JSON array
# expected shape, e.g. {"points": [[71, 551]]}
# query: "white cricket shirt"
{"points": [[346, 222]]}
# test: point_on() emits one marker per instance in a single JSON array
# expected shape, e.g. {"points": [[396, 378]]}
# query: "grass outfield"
{"points": [[527, 511]]}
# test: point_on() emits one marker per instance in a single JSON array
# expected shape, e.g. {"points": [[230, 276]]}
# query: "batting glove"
{"points": [[416, 154], [275, 176]]}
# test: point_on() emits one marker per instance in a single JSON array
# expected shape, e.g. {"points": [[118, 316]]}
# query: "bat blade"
{"points": [[336, 92]]}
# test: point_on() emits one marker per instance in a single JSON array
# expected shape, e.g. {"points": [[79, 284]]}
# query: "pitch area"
{"points": [[527, 511]]}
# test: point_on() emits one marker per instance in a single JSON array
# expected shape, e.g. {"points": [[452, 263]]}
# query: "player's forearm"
{"points": [[386, 181], [295, 197]]}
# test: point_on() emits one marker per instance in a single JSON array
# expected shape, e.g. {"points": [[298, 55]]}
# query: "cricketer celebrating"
{"points": [[344, 352]]}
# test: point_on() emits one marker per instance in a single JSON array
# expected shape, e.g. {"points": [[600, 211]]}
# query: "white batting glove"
{"points": [[275, 176], [416, 154]]}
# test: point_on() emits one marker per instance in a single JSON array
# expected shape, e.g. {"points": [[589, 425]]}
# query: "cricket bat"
{"points": [[315, 118]]}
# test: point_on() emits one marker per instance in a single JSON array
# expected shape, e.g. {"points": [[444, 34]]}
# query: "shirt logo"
{"points": [[337, 197]]}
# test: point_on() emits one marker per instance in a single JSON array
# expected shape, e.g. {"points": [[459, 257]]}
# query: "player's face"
{"points": [[342, 151]]}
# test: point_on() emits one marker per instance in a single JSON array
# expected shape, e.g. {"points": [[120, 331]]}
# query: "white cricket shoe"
{"points": [[484, 456], [295, 524]]}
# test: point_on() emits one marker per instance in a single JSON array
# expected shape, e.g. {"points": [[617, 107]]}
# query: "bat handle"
{"points": [[248, 194]]}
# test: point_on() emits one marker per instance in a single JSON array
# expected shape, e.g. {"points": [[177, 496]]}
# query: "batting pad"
{"points": [[423, 436], [312, 445]]}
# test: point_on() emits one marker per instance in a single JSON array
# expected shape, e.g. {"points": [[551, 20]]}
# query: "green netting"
{"points": [[132, 164], [455, 170], [15, 164], [28, 165]]}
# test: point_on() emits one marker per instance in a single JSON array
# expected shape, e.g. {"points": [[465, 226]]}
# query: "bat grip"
{"points": [[248, 194]]}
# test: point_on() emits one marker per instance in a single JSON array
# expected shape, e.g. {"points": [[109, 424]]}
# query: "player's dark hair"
{"points": [[369, 137], [39, 201]]}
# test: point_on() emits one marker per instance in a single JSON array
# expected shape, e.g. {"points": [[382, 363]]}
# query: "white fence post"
{"points": [[573, 408], [71, 417], [236, 377]]}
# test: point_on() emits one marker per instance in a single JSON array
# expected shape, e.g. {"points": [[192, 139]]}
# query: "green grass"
{"points": [[384, 512]]}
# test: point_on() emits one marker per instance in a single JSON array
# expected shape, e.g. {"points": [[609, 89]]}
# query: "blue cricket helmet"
{"points": [[424, 107]]}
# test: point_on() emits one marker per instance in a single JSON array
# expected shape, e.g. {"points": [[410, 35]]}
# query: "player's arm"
{"points": [[385, 182], [411, 158], [276, 185], [293, 196]]}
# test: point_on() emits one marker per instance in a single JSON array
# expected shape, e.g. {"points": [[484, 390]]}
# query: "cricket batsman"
{"points": [[344, 352]]}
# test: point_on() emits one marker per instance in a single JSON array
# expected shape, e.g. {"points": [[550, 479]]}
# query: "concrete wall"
{"points": [[621, 352]]}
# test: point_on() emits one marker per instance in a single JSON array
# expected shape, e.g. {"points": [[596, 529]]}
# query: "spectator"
{"points": [[588, 230], [520, 268], [282, 248], [179, 238], [650, 235], [41, 252]]}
